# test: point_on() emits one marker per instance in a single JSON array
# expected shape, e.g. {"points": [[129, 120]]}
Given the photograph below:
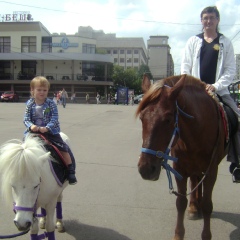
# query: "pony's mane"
{"points": [[19, 160], [155, 90]]}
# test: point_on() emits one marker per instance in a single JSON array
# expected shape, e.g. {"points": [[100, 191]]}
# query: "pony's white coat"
{"points": [[26, 179]]}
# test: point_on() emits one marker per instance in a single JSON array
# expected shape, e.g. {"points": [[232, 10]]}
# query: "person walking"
{"points": [[87, 98], [209, 56], [98, 98], [73, 98], [64, 97], [115, 99]]}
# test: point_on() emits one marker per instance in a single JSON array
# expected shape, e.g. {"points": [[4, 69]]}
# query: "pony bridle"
{"points": [[165, 155], [28, 209]]}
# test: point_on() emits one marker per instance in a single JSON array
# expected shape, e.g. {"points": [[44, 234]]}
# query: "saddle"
{"points": [[229, 119]]}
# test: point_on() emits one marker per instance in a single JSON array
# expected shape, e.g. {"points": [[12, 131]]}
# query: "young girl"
{"points": [[41, 116]]}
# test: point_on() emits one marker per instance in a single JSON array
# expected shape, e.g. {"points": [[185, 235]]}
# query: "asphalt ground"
{"points": [[111, 201]]}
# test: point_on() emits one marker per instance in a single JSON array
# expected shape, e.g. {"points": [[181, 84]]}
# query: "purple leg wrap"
{"points": [[43, 212], [34, 237], [51, 235], [59, 210]]}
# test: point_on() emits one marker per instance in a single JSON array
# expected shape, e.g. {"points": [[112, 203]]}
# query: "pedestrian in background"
{"points": [[64, 97], [98, 98], [87, 98], [73, 98]]}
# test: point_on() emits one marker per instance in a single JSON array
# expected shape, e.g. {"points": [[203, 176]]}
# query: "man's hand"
{"points": [[210, 87]]}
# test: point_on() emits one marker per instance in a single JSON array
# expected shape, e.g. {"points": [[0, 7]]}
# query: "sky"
{"points": [[176, 19]]}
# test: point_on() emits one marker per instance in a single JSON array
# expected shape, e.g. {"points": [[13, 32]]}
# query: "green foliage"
{"points": [[130, 77]]}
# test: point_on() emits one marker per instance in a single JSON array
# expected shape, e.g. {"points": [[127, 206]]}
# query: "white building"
{"points": [[28, 49], [160, 59]]}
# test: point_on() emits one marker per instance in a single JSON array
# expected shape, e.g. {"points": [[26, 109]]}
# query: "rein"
{"points": [[213, 157], [13, 235]]}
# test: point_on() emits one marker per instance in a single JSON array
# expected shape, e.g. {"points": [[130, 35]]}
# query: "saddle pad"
{"points": [[58, 169]]}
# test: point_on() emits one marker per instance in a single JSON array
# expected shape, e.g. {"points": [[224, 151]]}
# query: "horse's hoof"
{"points": [[60, 227], [193, 216], [42, 222]]}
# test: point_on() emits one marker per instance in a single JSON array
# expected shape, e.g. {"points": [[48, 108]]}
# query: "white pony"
{"points": [[28, 182]]}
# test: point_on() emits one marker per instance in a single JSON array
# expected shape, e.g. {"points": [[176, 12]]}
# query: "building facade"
{"points": [[28, 49], [160, 59], [126, 52]]}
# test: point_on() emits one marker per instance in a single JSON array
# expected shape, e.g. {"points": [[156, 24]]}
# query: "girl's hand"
{"points": [[34, 128], [43, 129]]}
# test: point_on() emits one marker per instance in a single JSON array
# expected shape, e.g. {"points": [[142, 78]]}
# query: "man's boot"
{"points": [[71, 175]]}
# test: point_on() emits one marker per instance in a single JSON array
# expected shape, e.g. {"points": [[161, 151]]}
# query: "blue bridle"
{"points": [[165, 155]]}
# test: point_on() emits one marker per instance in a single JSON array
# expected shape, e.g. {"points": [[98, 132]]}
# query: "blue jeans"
{"points": [[63, 101]]}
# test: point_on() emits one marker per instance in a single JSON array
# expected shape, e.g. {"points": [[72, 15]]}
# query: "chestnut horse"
{"points": [[181, 122]]}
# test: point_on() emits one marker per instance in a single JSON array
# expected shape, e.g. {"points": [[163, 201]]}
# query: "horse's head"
{"points": [[20, 167], [157, 111]]}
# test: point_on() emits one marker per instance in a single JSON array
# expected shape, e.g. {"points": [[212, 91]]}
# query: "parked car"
{"points": [[9, 96], [138, 98]]}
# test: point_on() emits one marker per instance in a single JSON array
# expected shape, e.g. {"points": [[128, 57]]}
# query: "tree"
{"points": [[144, 69], [130, 77]]}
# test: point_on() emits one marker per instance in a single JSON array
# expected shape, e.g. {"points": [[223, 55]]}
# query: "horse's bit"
{"points": [[165, 155]]}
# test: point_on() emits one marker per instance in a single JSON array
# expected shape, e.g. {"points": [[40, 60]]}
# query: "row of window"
{"points": [[122, 51], [29, 44], [128, 60]]}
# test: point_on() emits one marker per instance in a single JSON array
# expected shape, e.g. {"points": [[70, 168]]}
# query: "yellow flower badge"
{"points": [[216, 47]]}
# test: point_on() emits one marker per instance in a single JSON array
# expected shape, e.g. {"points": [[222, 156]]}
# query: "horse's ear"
{"points": [[178, 87], [146, 83]]}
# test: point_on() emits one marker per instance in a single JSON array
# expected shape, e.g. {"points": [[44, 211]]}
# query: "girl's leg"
{"points": [[71, 172]]}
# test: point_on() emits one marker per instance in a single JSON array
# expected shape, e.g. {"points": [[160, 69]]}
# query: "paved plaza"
{"points": [[111, 201]]}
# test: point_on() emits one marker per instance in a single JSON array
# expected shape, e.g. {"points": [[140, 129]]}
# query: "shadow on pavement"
{"points": [[85, 232], [233, 218]]}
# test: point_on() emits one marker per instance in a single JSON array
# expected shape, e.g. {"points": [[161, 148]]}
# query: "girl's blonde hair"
{"points": [[39, 81]]}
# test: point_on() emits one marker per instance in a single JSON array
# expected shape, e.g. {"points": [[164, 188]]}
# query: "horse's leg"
{"points": [[34, 230], [59, 223], [195, 199], [181, 204], [42, 219], [207, 204], [50, 226]]}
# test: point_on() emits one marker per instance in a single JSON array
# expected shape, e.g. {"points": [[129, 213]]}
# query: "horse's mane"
{"points": [[19, 160], [155, 90]]}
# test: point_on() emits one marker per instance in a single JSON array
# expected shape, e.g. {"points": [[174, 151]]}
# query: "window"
{"points": [[121, 60], [121, 51], [46, 44], [29, 44], [88, 48], [115, 51], [135, 60], [129, 51], [108, 51], [135, 51], [88, 68], [115, 60], [129, 60], [5, 70], [29, 67], [5, 44]]}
